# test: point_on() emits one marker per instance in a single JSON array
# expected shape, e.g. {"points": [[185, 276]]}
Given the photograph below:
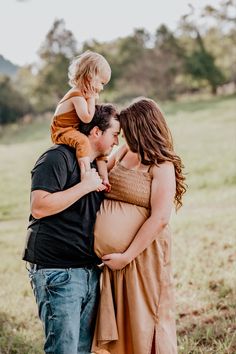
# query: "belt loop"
{"points": [[31, 267], [27, 265]]}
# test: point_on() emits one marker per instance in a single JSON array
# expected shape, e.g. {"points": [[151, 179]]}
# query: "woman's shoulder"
{"points": [[117, 156], [163, 169], [121, 152]]}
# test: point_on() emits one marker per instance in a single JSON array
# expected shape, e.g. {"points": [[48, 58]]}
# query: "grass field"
{"points": [[204, 230]]}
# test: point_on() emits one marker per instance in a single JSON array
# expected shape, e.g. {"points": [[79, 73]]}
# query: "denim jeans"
{"points": [[67, 302]]}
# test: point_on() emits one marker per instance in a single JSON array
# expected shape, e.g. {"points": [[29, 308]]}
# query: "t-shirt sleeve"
{"points": [[50, 172]]}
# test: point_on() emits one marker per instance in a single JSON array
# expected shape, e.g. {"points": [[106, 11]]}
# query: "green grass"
{"points": [[204, 252]]}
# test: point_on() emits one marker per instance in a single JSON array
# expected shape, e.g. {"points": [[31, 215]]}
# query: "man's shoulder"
{"points": [[58, 154], [60, 151]]}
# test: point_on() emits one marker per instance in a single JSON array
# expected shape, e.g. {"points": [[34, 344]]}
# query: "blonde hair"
{"points": [[84, 68]]}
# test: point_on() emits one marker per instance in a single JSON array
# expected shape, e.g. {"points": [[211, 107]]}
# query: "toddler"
{"points": [[88, 73]]}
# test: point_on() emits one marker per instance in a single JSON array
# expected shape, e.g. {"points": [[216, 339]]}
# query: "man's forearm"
{"points": [[45, 204]]}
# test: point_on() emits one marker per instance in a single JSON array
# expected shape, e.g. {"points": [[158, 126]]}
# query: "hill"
{"points": [[7, 67]]}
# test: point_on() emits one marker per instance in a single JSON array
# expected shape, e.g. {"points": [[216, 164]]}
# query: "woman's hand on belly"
{"points": [[116, 261]]}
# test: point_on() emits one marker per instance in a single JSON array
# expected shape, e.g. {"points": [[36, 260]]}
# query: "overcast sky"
{"points": [[24, 24]]}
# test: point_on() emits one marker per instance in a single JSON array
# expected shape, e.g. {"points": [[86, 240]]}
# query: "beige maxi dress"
{"points": [[137, 302]]}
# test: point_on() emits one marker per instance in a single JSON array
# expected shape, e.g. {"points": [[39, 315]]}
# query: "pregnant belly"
{"points": [[116, 225]]}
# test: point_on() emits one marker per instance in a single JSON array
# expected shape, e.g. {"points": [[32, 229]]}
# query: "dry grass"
{"points": [[204, 231]]}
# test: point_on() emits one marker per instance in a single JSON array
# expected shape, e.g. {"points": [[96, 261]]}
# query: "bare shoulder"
{"points": [[78, 99], [163, 170], [75, 90], [122, 150], [117, 156]]}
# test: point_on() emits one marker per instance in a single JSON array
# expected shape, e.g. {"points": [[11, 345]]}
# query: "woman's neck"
{"points": [[132, 161]]}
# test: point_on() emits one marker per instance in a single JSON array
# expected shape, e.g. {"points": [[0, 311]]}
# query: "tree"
{"points": [[25, 82], [55, 54], [131, 63], [222, 37], [13, 105], [59, 41], [225, 14], [200, 63], [168, 60]]}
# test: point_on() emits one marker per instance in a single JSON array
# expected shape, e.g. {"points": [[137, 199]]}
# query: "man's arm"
{"points": [[45, 204]]}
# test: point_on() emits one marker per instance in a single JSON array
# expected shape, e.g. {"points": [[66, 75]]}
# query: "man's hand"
{"points": [[91, 179], [115, 261]]}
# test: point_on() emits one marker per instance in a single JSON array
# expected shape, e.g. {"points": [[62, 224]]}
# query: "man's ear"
{"points": [[96, 132]]}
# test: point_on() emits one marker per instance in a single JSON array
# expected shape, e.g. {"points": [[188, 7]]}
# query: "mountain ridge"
{"points": [[7, 67]]}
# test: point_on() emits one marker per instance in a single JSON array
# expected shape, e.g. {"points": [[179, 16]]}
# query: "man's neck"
{"points": [[93, 156], [93, 151]]}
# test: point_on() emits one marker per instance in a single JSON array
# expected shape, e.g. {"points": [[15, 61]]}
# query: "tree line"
{"points": [[199, 56]]}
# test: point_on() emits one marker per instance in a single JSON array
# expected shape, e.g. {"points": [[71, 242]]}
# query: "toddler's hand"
{"points": [[107, 184], [94, 95]]}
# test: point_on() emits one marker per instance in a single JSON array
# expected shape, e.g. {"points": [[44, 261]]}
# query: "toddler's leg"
{"points": [[77, 140], [85, 161]]}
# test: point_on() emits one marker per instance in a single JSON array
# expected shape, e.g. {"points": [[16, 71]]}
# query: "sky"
{"points": [[24, 24]]}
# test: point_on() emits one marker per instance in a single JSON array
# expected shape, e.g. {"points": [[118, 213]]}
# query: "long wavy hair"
{"points": [[147, 134]]}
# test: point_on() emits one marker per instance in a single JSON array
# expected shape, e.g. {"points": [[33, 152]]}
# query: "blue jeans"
{"points": [[67, 303]]}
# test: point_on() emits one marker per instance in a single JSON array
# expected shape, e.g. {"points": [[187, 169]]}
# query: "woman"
{"points": [[136, 314]]}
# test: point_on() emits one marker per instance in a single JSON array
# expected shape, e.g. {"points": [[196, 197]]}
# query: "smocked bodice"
{"points": [[130, 186], [123, 211]]}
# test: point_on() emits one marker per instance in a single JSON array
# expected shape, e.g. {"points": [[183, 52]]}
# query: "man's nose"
{"points": [[117, 141]]}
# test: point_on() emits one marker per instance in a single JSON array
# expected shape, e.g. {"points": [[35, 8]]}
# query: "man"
{"points": [[59, 248]]}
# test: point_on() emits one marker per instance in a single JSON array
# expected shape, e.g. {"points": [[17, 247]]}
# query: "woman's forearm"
{"points": [[145, 236], [162, 196]]}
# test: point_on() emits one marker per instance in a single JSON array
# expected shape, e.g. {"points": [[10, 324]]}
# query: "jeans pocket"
{"points": [[56, 277]]}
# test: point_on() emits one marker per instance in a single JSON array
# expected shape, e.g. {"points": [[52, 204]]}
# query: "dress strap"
{"points": [[149, 168], [121, 154], [70, 95]]}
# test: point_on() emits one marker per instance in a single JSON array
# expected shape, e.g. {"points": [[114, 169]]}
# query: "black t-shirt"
{"points": [[65, 239]]}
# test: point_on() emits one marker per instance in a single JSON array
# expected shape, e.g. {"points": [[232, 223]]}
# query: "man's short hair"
{"points": [[101, 119]]}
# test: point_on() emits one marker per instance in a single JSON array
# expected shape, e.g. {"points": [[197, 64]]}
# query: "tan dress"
{"points": [[137, 302]]}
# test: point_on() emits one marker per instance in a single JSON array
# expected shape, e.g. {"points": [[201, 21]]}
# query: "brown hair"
{"points": [[101, 119], [84, 68], [147, 134]]}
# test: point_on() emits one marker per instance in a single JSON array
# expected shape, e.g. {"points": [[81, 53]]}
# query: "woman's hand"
{"points": [[115, 261]]}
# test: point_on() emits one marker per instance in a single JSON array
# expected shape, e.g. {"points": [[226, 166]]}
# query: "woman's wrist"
{"points": [[127, 258]]}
